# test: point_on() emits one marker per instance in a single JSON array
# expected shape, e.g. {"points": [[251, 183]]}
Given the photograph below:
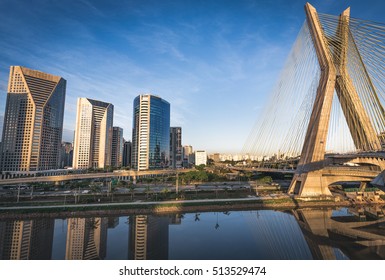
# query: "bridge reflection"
{"points": [[357, 239]]}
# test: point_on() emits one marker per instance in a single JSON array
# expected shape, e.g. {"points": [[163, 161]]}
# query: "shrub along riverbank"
{"points": [[165, 207]]}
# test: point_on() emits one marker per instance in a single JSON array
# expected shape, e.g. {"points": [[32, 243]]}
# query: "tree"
{"points": [[212, 177], [95, 189], [202, 176], [132, 190], [165, 191], [200, 167], [196, 190], [148, 191], [122, 184]]}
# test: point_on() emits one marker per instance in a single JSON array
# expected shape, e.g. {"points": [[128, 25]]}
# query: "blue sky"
{"points": [[214, 61]]}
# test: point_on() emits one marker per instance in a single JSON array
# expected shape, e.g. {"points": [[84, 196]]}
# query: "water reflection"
{"points": [[86, 238], [23, 240], [149, 237], [264, 234], [355, 235]]}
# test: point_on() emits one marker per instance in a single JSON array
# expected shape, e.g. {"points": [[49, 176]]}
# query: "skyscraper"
{"points": [[117, 147], [200, 158], [188, 156], [127, 153], [93, 134], [150, 133], [33, 121], [66, 154], [176, 147]]}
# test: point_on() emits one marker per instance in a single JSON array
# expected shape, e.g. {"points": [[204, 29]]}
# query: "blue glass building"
{"points": [[150, 133]]}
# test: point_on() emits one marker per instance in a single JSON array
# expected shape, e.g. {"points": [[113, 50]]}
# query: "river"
{"points": [[240, 235]]}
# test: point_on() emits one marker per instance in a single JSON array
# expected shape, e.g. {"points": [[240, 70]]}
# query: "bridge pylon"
{"points": [[332, 54]]}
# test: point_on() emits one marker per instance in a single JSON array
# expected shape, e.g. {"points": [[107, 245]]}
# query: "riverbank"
{"points": [[172, 206]]}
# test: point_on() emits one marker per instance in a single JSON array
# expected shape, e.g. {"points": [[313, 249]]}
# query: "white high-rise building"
{"points": [[93, 134], [200, 157]]}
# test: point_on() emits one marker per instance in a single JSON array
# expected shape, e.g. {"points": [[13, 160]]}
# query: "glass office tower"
{"points": [[150, 133], [117, 147]]}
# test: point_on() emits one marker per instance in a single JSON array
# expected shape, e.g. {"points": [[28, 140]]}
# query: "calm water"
{"points": [[263, 234]]}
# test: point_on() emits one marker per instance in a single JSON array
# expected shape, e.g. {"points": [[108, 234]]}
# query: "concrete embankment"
{"points": [[163, 207]]}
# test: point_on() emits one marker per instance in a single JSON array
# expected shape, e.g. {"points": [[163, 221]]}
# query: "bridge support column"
{"points": [[334, 76], [362, 186], [309, 184]]}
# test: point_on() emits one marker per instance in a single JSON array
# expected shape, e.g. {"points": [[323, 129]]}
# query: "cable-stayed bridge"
{"points": [[329, 99]]}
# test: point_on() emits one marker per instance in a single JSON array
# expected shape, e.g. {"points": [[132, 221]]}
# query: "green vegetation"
{"points": [[352, 190], [208, 204], [194, 176], [265, 180], [153, 207], [200, 167], [374, 189], [357, 190]]}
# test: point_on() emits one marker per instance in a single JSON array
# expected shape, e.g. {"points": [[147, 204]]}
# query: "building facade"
{"points": [[200, 158], [66, 154], [188, 156], [176, 149], [93, 134], [150, 133], [117, 147], [215, 157], [33, 121], [127, 154]]}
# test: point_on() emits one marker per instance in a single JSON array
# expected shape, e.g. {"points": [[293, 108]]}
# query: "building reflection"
{"points": [[343, 236], [26, 240], [356, 233], [86, 238], [149, 236], [113, 222]]}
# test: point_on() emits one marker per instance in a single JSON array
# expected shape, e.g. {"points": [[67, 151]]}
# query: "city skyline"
{"points": [[198, 56]]}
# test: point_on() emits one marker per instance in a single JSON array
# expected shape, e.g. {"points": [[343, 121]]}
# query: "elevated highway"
{"points": [[121, 174]]}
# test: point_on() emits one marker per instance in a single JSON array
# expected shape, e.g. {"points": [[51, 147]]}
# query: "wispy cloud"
{"points": [[94, 9], [215, 62], [156, 39]]}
